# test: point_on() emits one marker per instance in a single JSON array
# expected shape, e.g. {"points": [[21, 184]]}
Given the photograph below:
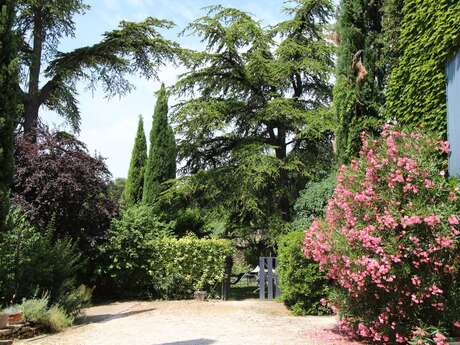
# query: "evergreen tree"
{"points": [[161, 165], [254, 126], [8, 102], [360, 79], [135, 182], [51, 76]]}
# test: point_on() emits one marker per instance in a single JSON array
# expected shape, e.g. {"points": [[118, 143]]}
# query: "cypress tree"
{"points": [[161, 165], [360, 80], [135, 182], [8, 102]]}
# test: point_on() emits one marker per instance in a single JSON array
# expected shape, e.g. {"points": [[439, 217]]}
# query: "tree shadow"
{"points": [[109, 317], [191, 342]]}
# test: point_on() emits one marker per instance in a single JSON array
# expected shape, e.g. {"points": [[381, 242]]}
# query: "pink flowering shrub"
{"points": [[390, 240]]}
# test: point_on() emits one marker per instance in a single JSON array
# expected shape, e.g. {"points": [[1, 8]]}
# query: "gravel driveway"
{"points": [[248, 322]]}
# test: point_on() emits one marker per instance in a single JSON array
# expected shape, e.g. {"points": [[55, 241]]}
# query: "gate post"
{"points": [[262, 278], [270, 278]]}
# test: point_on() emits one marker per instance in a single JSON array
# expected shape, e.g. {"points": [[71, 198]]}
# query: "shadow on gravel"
{"points": [[108, 317], [191, 342]]}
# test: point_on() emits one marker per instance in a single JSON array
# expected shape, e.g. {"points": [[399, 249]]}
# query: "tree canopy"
{"points": [[161, 164], [135, 183], [49, 76], [253, 122], [8, 102]]}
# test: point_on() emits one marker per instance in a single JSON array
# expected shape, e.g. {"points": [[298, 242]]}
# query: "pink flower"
{"points": [[432, 220], [444, 146], [453, 220], [440, 339]]}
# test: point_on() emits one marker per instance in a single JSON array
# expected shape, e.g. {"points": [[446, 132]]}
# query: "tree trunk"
{"points": [[32, 104]]}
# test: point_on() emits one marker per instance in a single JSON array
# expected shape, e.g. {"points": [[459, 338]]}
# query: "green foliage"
{"points": [[358, 101], [8, 103], [75, 300], [312, 202], [31, 261], [116, 190], [166, 268], [35, 309], [135, 183], [430, 36], [302, 284], [253, 120], [54, 319], [161, 164], [50, 76]]}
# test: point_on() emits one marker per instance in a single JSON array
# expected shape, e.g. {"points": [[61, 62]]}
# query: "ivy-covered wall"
{"points": [[430, 37]]}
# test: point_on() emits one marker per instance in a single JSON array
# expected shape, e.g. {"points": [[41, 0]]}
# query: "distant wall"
{"points": [[453, 114]]}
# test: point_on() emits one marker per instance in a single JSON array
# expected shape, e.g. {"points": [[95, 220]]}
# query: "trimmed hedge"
{"points": [[170, 268], [302, 284], [430, 36]]}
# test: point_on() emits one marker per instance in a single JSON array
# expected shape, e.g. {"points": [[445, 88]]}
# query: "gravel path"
{"points": [[248, 322]]}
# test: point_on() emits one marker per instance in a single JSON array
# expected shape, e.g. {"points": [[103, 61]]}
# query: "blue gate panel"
{"points": [[453, 114]]}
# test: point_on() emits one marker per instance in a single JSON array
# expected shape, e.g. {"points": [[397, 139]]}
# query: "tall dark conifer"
{"points": [[135, 183], [360, 80], [161, 165], [8, 102]]}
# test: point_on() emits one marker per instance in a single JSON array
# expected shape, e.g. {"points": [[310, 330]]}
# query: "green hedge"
{"points": [[302, 284], [170, 268], [430, 37]]}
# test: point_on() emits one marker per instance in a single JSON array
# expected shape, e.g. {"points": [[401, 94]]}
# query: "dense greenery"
{"points": [[359, 88], [50, 76], [32, 262], [161, 164], [8, 103], [303, 286], [253, 121], [58, 181], [312, 202], [134, 186], [141, 266], [430, 37]]}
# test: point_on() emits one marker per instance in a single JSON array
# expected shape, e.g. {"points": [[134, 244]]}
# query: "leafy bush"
{"points": [[56, 319], [74, 301], [165, 268], [58, 180], [303, 286], [390, 239], [35, 309], [32, 261], [312, 202]]}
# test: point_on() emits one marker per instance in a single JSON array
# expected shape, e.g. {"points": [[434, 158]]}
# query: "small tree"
{"points": [[161, 165], [135, 182], [8, 102], [58, 181]]}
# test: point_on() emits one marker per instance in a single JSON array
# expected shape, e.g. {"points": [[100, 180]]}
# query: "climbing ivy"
{"points": [[430, 37]]}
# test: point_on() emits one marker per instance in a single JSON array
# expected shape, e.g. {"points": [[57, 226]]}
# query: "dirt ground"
{"points": [[248, 322]]}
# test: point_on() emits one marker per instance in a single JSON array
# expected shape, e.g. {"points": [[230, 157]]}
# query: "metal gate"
{"points": [[268, 278]]}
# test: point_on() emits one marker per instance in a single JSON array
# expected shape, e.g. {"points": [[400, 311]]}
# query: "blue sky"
{"points": [[109, 125]]}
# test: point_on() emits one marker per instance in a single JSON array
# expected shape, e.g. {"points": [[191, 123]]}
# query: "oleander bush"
{"points": [[390, 241], [303, 286], [165, 267]]}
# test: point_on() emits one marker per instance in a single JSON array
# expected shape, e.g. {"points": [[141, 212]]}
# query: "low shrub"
{"points": [[56, 319], [74, 301], [35, 309], [390, 240], [32, 261], [303, 286], [165, 268]]}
